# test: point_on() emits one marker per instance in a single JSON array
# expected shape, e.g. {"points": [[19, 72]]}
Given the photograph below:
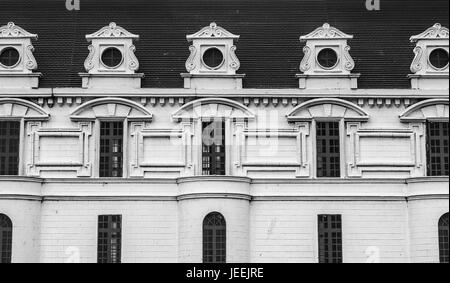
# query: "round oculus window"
{"points": [[439, 58], [327, 58], [213, 58], [9, 57], [112, 57]]}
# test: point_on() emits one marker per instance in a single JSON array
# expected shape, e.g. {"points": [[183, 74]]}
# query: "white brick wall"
{"points": [[288, 231], [191, 216], [424, 218], [149, 231], [25, 217], [260, 231]]}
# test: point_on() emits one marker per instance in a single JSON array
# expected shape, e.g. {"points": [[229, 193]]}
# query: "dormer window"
{"points": [[327, 63], [213, 62], [111, 61], [439, 59], [17, 62], [213, 58], [430, 65], [9, 57], [327, 58], [112, 58]]}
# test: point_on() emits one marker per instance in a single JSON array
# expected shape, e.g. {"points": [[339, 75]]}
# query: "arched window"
{"points": [[214, 238], [443, 239], [5, 239]]}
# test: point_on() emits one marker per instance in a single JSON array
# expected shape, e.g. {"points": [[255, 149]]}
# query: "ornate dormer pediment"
{"points": [[111, 61], [430, 65], [212, 31], [326, 32], [435, 32], [13, 31], [212, 63], [327, 63], [112, 31], [17, 61]]}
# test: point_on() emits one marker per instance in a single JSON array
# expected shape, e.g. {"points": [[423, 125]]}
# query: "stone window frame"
{"points": [[305, 117], [99, 110], [29, 115], [191, 116]]}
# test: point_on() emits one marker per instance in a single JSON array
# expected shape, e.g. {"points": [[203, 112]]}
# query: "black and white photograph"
{"points": [[221, 137]]}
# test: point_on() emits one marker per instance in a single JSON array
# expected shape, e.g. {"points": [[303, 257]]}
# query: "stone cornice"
{"points": [[214, 179], [224, 196], [180, 92], [224, 179], [239, 188]]}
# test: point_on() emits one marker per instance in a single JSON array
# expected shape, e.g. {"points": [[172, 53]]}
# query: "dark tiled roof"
{"points": [[269, 49]]}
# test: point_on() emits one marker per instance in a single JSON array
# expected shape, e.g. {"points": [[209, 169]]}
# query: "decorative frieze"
{"points": [[401, 152], [247, 101], [59, 150]]}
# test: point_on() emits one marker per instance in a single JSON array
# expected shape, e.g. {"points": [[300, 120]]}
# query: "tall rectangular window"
{"points": [[9, 147], [111, 149], [437, 148], [109, 239], [213, 148], [330, 239], [328, 150]]}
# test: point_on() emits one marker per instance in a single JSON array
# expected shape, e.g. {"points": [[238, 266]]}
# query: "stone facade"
{"points": [[270, 195]]}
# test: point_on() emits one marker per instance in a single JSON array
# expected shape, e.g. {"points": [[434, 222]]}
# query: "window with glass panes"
{"points": [[5, 239], [214, 239], [328, 149], [437, 148], [330, 239], [111, 149], [109, 239], [213, 148], [443, 239], [9, 147]]}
